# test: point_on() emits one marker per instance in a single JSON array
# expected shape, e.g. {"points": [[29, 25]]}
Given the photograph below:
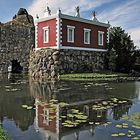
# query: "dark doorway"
{"points": [[16, 67]]}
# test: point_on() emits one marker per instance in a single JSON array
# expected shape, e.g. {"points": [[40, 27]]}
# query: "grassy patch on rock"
{"points": [[106, 76]]}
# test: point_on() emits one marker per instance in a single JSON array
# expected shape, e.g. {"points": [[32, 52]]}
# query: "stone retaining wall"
{"points": [[50, 63]]}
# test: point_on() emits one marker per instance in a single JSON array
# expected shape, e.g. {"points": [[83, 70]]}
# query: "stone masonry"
{"points": [[16, 40], [50, 63]]}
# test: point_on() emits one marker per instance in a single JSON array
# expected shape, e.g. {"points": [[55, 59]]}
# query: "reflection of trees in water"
{"points": [[11, 108], [120, 110], [137, 85], [11, 102]]}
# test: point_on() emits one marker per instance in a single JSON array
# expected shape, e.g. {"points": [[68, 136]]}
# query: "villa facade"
{"points": [[60, 31]]}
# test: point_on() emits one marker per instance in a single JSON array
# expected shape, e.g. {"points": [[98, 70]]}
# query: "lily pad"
{"points": [[63, 117], [97, 123], [121, 134], [63, 104], [105, 103], [115, 135], [24, 106], [119, 126], [91, 123], [135, 138], [70, 115], [105, 124], [128, 135], [75, 111], [29, 107]]}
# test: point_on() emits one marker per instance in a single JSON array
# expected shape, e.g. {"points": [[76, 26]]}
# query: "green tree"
{"points": [[121, 50]]}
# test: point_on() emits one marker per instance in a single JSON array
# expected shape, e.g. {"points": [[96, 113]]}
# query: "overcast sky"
{"points": [[124, 13]]}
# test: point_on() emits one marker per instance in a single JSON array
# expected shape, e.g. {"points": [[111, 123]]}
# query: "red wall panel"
{"points": [[52, 33], [79, 34]]}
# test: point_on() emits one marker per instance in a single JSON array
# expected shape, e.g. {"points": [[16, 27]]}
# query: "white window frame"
{"points": [[46, 37], [87, 31], [68, 30], [100, 42]]}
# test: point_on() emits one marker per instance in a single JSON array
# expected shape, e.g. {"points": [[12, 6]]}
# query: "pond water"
{"points": [[67, 110]]}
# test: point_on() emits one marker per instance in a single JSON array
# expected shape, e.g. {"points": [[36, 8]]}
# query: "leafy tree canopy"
{"points": [[121, 50]]}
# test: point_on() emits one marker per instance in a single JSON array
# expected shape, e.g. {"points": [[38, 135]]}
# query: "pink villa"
{"points": [[60, 31]]}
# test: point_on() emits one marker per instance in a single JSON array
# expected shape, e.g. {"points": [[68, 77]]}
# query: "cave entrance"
{"points": [[16, 67]]}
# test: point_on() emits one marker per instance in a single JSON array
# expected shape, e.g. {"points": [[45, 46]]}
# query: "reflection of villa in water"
{"points": [[50, 118]]}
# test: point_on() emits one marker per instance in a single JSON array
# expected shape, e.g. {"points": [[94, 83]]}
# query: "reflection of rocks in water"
{"points": [[3, 77], [14, 77], [45, 90], [67, 91], [58, 119], [11, 77]]}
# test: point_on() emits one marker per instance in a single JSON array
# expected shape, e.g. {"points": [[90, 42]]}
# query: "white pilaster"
{"points": [[36, 36], [58, 31]]}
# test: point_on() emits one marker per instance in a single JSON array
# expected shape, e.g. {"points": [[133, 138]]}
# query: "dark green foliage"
{"points": [[3, 136], [121, 51]]}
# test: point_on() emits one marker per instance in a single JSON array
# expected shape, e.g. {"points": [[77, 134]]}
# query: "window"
{"points": [[87, 36], [100, 38], [46, 116], [46, 34], [70, 34]]}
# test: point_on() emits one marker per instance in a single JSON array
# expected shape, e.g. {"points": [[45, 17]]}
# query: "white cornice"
{"points": [[79, 19], [84, 20], [46, 18]]}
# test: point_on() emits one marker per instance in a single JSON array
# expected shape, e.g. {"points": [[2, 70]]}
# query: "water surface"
{"points": [[55, 103]]}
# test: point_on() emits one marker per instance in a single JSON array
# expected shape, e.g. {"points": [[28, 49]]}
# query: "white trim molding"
{"points": [[36, 36], [87, 32], [100, 38], [87, 29], [108, 35], [58, 32], [84, 49], [70, 28]]}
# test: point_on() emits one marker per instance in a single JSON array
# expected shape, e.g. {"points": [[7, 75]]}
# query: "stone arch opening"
{"points": [[16, 67]]}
